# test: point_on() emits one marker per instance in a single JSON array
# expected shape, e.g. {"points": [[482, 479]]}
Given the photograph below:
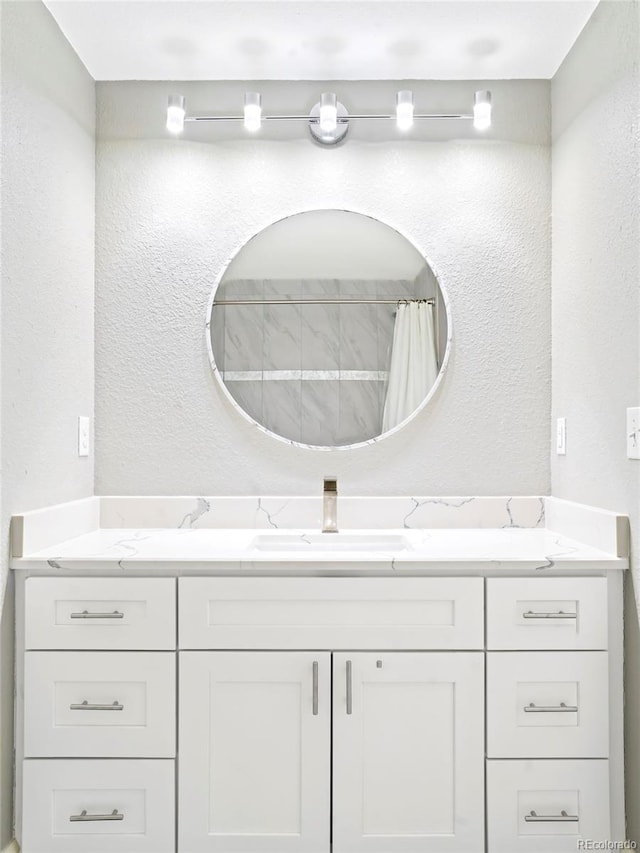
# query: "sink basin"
{"points": [[367, 541]]}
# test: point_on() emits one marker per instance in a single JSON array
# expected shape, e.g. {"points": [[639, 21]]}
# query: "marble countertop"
{"points": [[231, 551]]}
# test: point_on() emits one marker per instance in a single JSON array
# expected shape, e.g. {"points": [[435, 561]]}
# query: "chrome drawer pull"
{"points": [[349, 689], [85, 706], [562, 708], [529, 614], [116, 614], [115, 815], [563, 817], [314, 697]]}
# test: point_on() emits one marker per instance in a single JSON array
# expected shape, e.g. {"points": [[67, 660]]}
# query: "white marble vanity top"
{"points": [[204, 550], [582, 539]]}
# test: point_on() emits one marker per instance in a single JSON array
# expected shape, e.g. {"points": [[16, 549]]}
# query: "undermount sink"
{"points": [[367, 541]]}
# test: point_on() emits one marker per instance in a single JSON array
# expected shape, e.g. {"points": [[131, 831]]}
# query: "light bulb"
{"points": [[328, 112], [482, 110], [175, 114], [252, 111], [404, 109]]}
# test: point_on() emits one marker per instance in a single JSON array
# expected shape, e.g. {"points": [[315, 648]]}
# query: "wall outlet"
{"points": [[84, 431], [561, 436], [633, 433]]}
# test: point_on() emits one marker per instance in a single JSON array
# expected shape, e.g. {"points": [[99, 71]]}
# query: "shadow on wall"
{"points": [[6, 716], [631, 706]]}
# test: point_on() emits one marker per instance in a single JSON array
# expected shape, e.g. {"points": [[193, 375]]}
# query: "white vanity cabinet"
{"points": [[98, 732], [318, 714], [272, 748], [548, 698], [256, 739]]}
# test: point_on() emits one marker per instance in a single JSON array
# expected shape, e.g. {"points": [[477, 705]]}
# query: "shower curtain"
{"points": [[413, 367]]}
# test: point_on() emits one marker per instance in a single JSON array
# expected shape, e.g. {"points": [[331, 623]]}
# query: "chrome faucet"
{"points": [[330, 506]]}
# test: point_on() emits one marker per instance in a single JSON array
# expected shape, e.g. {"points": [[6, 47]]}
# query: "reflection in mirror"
{"points": [[328, 329]]}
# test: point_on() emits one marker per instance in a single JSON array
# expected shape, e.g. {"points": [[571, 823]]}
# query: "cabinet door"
{"points": [[408, 752], [254, 752]]}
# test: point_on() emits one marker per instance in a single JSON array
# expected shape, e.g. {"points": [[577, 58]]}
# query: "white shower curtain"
{"points": [[413, 367]]}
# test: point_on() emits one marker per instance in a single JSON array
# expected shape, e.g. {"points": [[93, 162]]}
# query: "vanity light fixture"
{"points": [[328, 121], [482, 110], [252, 111], [328, 112], [404, 109], [175, 114]]}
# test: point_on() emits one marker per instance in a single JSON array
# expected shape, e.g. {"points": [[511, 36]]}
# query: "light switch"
{"points": [[633, 433], [84, 428], [561, 436]]}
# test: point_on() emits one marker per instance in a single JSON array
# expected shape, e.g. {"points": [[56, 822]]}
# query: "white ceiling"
{"points": [[321, 39]]}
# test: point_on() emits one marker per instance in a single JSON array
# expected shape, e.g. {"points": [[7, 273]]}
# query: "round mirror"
{"points": [[328, 329]]}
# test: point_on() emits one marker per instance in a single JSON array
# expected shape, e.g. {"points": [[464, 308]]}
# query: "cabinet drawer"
{"points": [[82, 704], [535, 806], [100, 613], [56, 792], [547, 704], [320, 613], [547, 613]]}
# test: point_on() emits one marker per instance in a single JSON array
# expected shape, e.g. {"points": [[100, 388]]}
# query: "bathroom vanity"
{"points": [[452, 682]]}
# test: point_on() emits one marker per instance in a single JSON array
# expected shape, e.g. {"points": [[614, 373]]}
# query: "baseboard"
{"points": [[12, 847]]}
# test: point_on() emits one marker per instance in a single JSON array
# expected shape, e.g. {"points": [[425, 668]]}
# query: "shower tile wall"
{"points": [[256, 346]]}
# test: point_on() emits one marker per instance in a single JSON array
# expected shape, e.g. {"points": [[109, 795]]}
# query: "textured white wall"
{"points": [[48, 161], [596, 292], [171, 213]]}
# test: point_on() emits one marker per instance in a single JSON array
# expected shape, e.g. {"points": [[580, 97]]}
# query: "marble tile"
{"points": [[395, 290], [283, 289], [243, 375], [357, 289], [248, 395], [216, 330], [320, 289], [243, 338], [360, 412], [320, 324], [281, 408], [319, 337], [357, 375], [385, 321], [320, 412], [282, 339], [320, 374], [358, 337], [425, 284], [241, 289]]}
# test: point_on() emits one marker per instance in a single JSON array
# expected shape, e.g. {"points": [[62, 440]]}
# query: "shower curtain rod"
{"points": [[396, 302]]}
